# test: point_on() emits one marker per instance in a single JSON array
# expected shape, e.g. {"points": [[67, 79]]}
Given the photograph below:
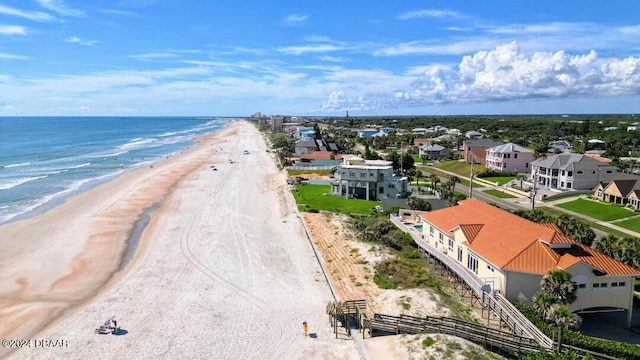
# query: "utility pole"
{"points": [[473, 160], [533, 191]]}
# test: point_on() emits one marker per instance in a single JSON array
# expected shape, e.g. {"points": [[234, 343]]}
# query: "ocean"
{"points": [[45, 159]]}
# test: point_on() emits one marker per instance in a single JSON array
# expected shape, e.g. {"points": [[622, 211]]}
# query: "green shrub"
{"points": [[428, 341]]}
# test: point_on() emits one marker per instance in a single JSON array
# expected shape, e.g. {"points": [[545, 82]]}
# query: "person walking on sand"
{"points": [[306, 328]]}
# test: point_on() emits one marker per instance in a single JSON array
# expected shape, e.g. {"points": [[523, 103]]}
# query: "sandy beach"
{"points": [[223, 269]]}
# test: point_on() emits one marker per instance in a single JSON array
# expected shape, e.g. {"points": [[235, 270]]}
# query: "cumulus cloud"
{"points": [[506, 73]]}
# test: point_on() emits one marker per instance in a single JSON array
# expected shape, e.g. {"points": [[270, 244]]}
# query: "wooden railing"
{"points": [[488, 337]]}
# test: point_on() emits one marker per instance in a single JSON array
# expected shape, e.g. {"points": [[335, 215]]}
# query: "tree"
{"points": [[452, 180], [435, 180], [559, 284], [576, 229], [543, 303], [416, 203], [564, 318]]}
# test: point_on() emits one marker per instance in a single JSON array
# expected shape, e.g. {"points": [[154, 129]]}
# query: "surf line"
{"points": [[136, 234]]}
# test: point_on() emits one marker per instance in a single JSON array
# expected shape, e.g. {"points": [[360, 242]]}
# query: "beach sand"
{"points": [[223, 270]]}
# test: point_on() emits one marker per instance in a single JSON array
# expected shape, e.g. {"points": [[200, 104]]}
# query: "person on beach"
{"points": [[306, 328]]}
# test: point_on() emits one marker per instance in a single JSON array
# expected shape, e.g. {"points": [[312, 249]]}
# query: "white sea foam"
{"points": [[17, 182], [79, 166], [137, 143], [16, 165]]}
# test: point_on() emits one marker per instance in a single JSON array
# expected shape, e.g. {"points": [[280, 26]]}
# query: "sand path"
{"points": [[222, 271]]}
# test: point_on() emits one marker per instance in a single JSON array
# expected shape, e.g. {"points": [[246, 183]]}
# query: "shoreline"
{"points": [[24, 312]]}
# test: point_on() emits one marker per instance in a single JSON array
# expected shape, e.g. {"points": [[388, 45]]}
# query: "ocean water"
{"points": [[45, 159]]}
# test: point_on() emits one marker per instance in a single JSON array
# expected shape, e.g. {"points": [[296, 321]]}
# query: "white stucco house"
{"points": [[509, 157], [571, 171]]}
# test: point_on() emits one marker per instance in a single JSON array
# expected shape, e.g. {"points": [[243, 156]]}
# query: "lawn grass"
{"points": [[302, 172], [310, 197], [630, 224], [501, 180], [596, 210], [460, 167], [499, 194]]}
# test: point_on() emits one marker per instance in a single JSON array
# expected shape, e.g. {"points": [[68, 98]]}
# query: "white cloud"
{"points": [[152, 56], [77, 40], [331, 58], [13, 57], [60, 8], [422, 48], [295, 19], [315, 48], [30, 15], [505, 74], [12, 30], [440, 14]]}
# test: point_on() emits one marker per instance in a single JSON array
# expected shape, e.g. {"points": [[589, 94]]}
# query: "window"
{"points": [[451, 245], [562, 172], [609, 171], [441, 239], [580, 172], [351, 174], [489, 268], [600, 285], [431, 231], [381, 190], [526, 165], [568, 185], [460, 253], [472, 263], [392, 186], [581, 280], [515, 156], [363, 175], [618, 284], [570, 173]]}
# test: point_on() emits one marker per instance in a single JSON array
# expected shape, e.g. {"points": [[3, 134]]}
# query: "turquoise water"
{"points": [[45, 159], [418, 227]]}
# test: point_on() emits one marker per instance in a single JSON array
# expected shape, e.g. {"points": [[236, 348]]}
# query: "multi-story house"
{"points": [[433, 152], [510, 254], [509, 157], [476, 150], [571, 171], [367, 179]]}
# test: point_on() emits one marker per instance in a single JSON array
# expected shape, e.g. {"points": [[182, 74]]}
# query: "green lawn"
{"points": [[499, 194], [311, 197], [302, 172], [501, 180], [460, 167], [596, 210], [630, 224]]}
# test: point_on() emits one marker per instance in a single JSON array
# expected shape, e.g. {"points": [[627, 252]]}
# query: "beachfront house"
{"points": [[367, 179], [622, 189], [433, 152], [571, 171], [510, 158], [511, 254]]}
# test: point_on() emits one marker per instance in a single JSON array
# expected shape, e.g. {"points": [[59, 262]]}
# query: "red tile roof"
{"points": [[514, 243]]}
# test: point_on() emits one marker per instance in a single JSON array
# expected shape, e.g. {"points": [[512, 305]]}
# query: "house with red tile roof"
{"points": [[512, 254]]}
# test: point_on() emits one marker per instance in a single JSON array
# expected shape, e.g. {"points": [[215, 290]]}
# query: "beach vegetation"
{"points": [[499, 194]]}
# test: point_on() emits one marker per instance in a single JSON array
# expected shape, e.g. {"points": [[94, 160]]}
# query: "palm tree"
{"points": [[452, 180], [564, 318], [559, 283], [435, 180], [543, 303], [608, 245]]}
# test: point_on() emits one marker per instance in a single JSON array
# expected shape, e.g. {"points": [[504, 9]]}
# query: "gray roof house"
{"points": [[433, 152], [571, 171], [367, 179]]}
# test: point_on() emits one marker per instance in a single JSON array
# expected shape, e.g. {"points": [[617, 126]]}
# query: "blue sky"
{"points": [[234, 58]]}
